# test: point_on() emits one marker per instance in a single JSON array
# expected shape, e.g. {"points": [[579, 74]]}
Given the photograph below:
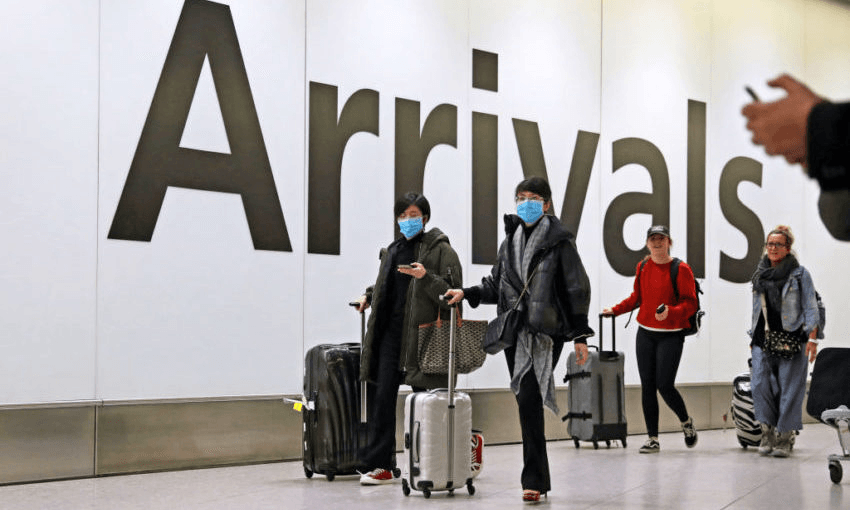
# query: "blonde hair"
{"points": [[783, 230]]}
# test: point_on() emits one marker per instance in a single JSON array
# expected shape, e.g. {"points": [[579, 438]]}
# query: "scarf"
{"points": [[533, 350], [770, 280]]}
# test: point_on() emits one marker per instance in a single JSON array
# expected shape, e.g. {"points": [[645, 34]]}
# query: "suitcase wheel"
{"points": [[426, 492], [575, 440], [308, 473], [396, 472], [608, 443], [623, 441], [471, 488], [835, 472], [405, 487], [595, 444], [331, 476]]}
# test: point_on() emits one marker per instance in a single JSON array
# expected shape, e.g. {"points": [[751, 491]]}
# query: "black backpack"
{"points": [[695, 320]]}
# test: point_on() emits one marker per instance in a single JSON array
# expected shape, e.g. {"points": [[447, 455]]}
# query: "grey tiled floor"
{"points": [[717, 474]]}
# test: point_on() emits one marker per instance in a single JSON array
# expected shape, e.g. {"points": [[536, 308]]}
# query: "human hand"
{"points": [[415, 270], [581, 353], [780, 126], [360, 304], [811, 351], [663, 315], [608, 312], [454, 295]]}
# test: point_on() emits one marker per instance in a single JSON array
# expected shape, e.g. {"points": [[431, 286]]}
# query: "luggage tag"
{"points": [[299, 405]]}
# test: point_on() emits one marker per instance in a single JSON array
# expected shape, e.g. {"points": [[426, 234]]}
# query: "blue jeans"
{"points": [[779, 386]]}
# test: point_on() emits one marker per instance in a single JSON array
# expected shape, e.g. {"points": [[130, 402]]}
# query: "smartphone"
{"points": [[405, 266], [752, 94], [661, 308]]}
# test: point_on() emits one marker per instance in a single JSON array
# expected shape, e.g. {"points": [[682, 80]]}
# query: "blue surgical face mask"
{"points": [[530, 210], [411, 226]]}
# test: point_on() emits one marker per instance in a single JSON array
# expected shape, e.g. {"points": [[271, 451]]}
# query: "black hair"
{"points": [[409, 199], [536, 185]]}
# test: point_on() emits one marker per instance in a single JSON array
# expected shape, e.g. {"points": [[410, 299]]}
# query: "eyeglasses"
{"points": [[521, 199], [776, 245]]}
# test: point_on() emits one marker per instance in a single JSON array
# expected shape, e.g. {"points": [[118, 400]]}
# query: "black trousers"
{"points": [[381, 401], [535, 462], [658, 356]]}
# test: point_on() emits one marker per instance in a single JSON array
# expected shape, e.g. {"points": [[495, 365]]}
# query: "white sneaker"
{"points": [[651, 446]]}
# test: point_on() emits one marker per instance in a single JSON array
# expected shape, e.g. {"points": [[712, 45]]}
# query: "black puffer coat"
{"points": [[558, 298], [423, 304]]}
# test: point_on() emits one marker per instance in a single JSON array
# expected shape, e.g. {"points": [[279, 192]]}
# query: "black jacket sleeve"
{"points": [[828, 145], [577, 287]]}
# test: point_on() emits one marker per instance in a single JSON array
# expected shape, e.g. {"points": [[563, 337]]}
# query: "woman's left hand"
{"points": [[417, 270], [811, 351], [581, 353], [663, 315]]}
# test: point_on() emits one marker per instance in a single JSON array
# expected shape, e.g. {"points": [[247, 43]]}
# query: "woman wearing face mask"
{"points": [[415, 270], [778, 384], [540, 255], [659, 342]]}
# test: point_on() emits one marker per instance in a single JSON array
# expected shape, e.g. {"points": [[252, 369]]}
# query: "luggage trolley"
{"points": [[838, 418], [829, 398]]}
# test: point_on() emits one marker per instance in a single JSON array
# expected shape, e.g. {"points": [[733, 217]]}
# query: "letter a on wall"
{"points": [[204, 30]]}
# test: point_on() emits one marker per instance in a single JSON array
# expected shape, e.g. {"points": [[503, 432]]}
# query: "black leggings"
{"points": [[658, 355]]}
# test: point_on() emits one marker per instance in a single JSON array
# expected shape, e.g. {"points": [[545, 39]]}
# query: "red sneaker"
{"points": [[376, 477]]}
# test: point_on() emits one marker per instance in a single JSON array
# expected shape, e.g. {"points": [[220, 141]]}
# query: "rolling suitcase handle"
{"points": [[451, 413], [363, 413], [613, 331]]}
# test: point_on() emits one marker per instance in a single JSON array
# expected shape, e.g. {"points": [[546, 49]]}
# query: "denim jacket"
{"points": [[799, 305]]}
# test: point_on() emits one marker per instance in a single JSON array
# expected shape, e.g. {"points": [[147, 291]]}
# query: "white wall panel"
{"points": [[198, 311], [411, 50], [559, 91], [48, 192], [751, 42], [655, 58]]}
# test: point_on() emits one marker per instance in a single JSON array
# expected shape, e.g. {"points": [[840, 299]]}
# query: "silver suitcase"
{"points": [[437, 431]]}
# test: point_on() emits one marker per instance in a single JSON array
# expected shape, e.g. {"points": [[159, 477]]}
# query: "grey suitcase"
{"points": [[437, 431], [596, 391]]}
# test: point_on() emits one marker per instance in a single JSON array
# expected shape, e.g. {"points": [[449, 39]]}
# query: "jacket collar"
{"points": [[556, 234], [427, 239]]}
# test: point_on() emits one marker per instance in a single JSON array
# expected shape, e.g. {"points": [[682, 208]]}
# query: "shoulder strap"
{"points": [[674, 275], [639, 271]]}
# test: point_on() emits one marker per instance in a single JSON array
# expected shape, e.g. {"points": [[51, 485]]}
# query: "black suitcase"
{"points": [[830, 386], [334, 414], [597, 405]]}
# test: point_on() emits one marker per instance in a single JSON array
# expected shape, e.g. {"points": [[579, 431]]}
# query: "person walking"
{"points": [[538, 270], [660, 340], [783, 292], [415, 270]]}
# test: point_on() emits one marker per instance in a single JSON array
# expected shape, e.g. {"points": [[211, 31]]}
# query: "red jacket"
{"points": [[656, 288]]}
